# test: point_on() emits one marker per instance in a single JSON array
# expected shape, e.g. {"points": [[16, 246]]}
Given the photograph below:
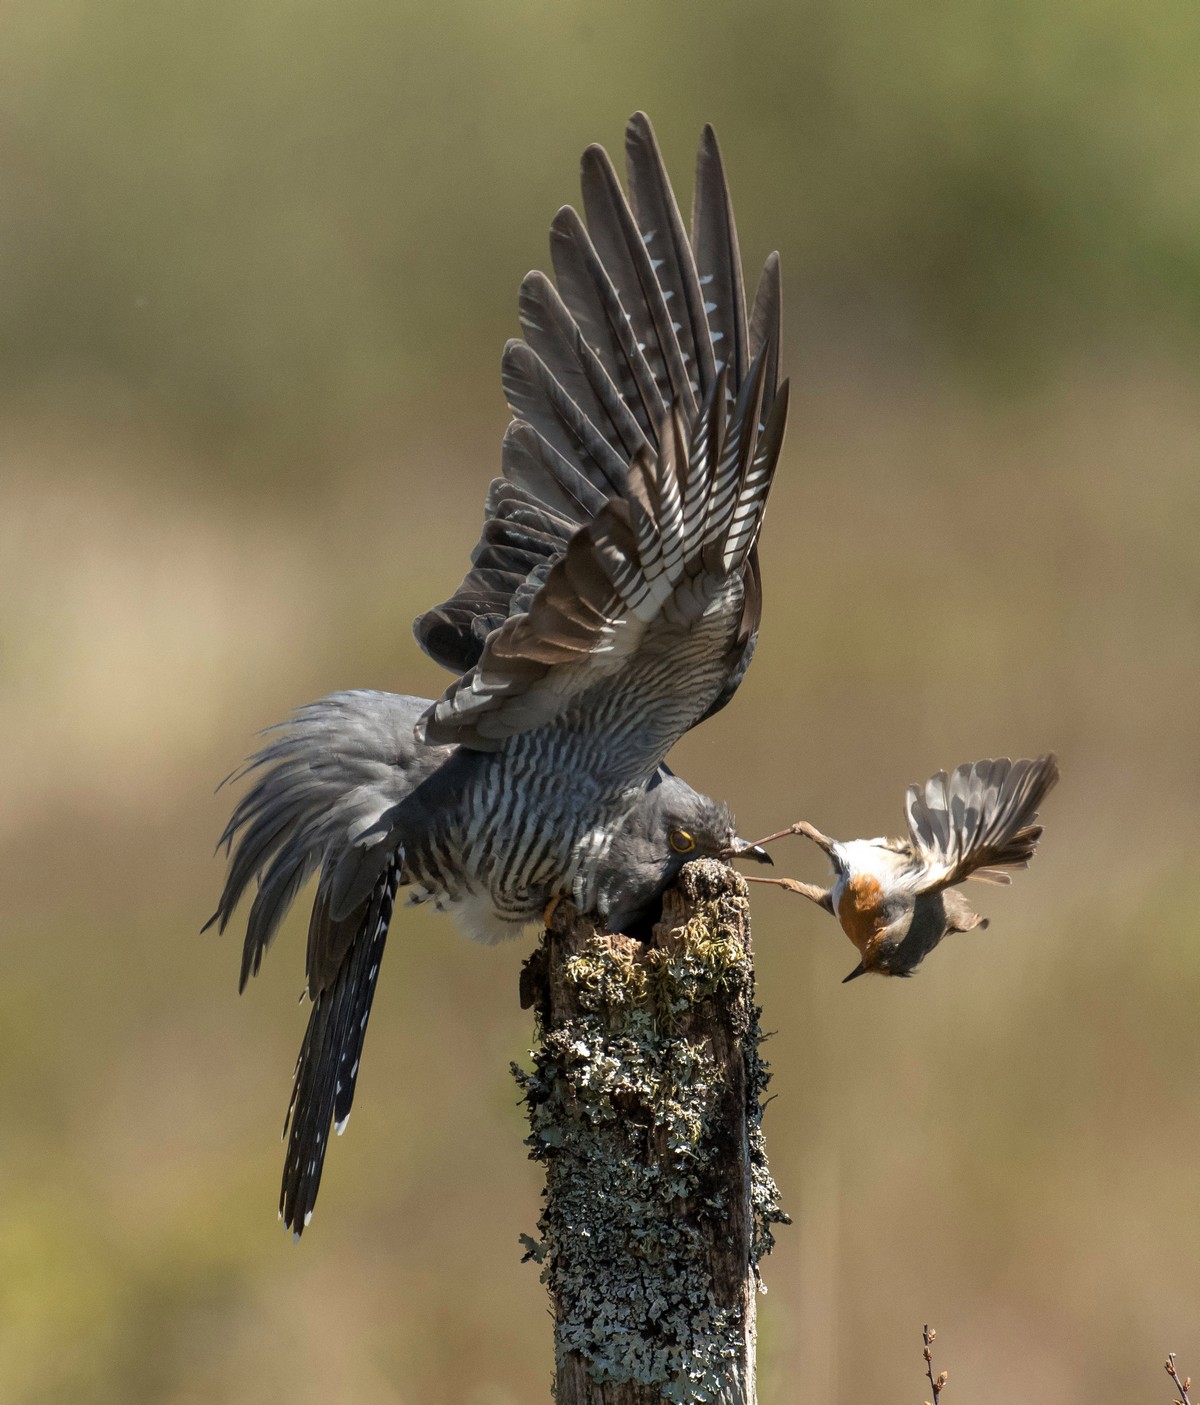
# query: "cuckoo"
{"points": [[612, 603]]}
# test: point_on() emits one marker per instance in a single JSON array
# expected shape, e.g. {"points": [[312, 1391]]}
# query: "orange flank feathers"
{"points": [[860, 909]]}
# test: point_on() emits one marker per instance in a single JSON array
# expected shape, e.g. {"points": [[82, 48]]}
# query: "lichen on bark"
{"points": [[645, 1106]]}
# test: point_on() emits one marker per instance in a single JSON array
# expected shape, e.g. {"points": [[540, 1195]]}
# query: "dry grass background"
{"points": [[258, 264]]}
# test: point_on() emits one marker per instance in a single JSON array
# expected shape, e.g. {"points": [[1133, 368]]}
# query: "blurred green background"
{"points": [[257, 263]]}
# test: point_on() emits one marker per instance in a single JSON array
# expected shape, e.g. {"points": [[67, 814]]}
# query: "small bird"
{"points": [[896, 898], [612, 604]]}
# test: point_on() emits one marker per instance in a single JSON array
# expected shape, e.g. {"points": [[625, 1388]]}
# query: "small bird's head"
{"points": [[914, 924], [670, 825], [885, 956]]}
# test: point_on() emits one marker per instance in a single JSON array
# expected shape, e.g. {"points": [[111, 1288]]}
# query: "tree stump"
{"points": [[645, 1107]]}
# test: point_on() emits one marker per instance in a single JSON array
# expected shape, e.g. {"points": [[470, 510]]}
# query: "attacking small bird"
{"points": [[613, 603], [896, 898]]}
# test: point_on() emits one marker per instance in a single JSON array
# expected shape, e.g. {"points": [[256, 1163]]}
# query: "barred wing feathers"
{"points": [[643, 326], [647, 410], [646, 605]]}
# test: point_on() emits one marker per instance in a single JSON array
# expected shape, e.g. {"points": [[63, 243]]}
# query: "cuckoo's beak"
{"points": [[743, 849], [859, 970]]}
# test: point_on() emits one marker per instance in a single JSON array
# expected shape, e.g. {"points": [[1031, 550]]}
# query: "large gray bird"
{"points": [[613, 603]]}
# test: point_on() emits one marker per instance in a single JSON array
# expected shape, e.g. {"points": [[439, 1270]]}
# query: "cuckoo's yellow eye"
{"points": [[681, 841]]}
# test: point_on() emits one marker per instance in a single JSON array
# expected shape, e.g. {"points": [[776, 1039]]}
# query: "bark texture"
{"points": [[645, 1106]]}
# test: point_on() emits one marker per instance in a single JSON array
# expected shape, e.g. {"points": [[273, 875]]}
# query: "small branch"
{"points": [[937, 1382], [1181, 1385]]}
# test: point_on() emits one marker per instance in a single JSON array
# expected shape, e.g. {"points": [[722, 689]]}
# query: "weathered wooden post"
{"points": [[645, 1106]]}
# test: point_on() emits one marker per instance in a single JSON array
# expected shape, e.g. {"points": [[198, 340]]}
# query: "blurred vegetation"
{"points": [[262, 226], [257, 263]]}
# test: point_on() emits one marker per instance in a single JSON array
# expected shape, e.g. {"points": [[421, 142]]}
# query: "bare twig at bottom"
{"points": [[938, 1382]]}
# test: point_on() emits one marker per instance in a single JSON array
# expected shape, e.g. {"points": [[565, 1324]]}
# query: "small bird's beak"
{"points": [[859, 970], [743, 849], [821, 840]]}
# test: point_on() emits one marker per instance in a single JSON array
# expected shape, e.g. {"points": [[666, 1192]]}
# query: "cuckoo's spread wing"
{"points": [[618, 553], [980, 820]]}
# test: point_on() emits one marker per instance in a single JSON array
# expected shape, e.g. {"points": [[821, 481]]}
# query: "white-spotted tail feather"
{"points": [[328, 1065]]}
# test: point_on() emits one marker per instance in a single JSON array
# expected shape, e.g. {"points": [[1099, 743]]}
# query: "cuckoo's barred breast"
{"points": [[612, 603]]}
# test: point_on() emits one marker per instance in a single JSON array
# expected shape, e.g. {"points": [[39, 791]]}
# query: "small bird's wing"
{"points": [[980, 820], [646, 411]]}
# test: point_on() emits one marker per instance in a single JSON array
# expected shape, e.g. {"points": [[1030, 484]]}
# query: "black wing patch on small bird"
{"points": [[980, 820]]}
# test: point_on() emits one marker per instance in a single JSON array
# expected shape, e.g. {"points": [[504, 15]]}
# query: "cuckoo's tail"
{"points": [[325, 796], [327, 1069], [980, 820]]}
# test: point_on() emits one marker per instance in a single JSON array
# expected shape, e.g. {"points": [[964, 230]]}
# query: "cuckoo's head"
{"points": [[685, 825], [669, 825]]}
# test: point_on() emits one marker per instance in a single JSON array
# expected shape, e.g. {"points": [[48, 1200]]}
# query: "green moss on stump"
{"points": [[644, 1104]]}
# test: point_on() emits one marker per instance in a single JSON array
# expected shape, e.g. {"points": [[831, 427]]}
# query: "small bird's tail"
{"points": [[981, 820]]}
